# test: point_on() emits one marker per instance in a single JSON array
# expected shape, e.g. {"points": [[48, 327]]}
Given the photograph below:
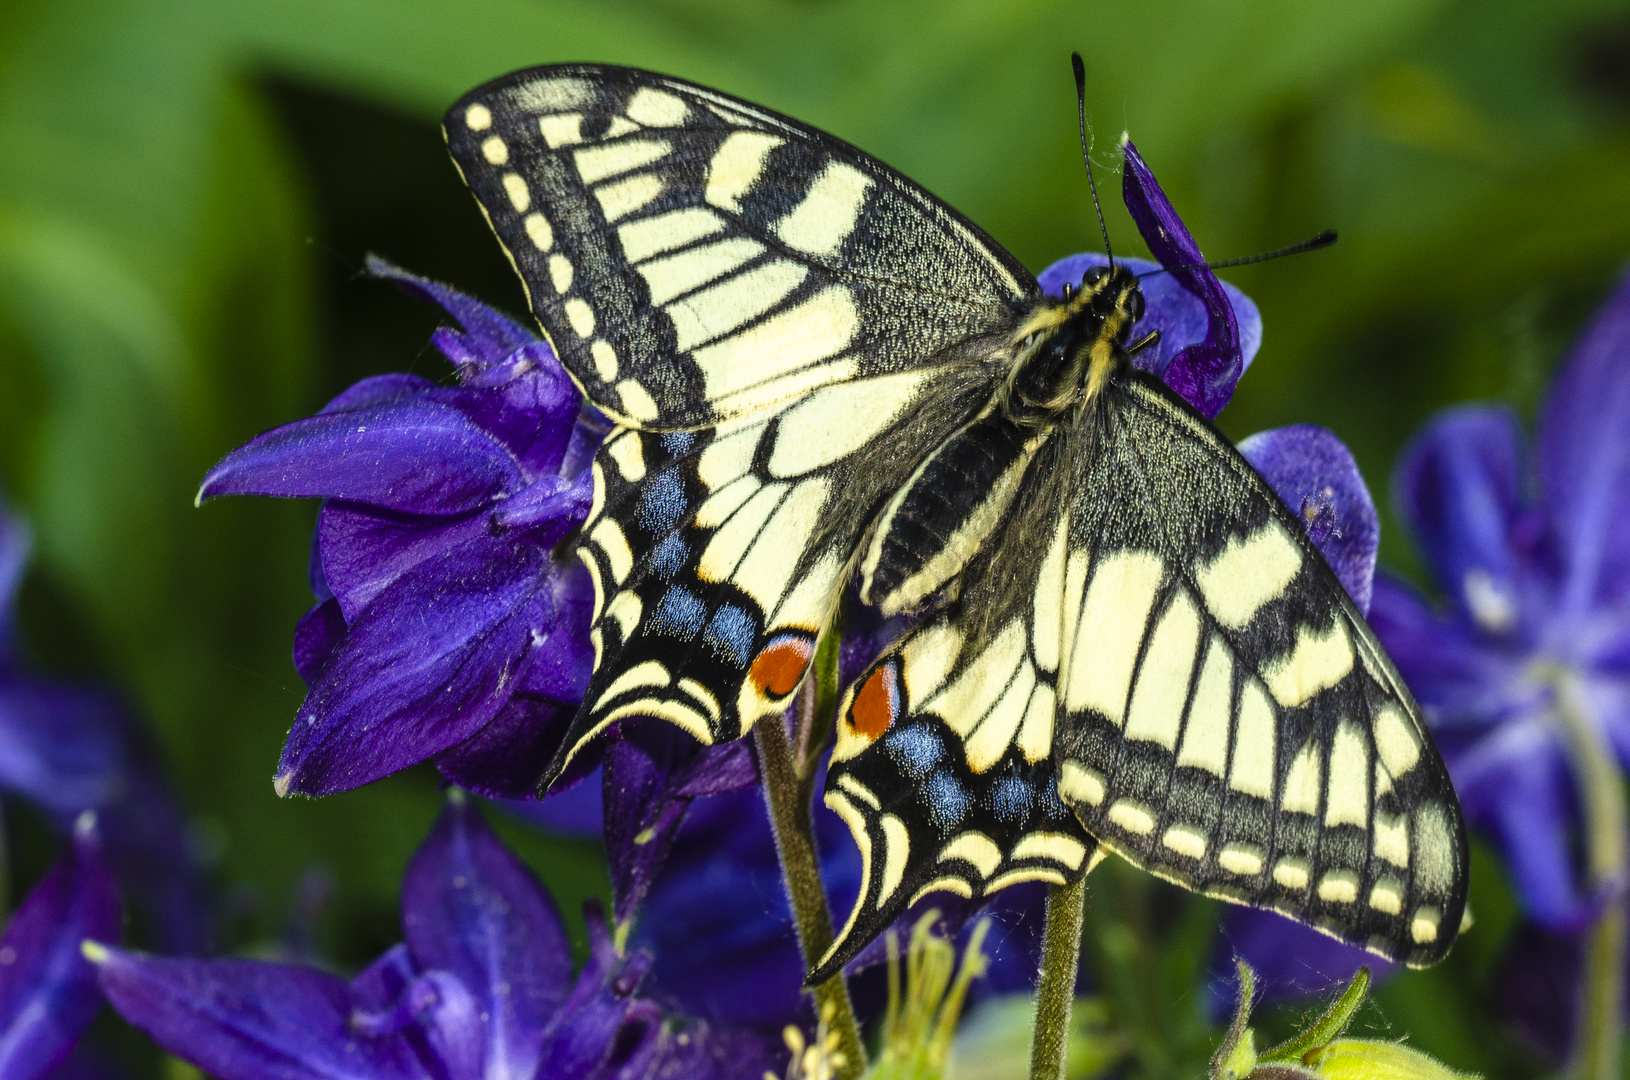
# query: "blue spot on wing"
{"points": [[1010, 799], [668, 557], [947, 800], [916, 750], [678, 442], [678, 614], [730, 635], [662, 502]]}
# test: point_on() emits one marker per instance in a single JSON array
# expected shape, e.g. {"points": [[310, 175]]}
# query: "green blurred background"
{"points": [[188, 189]]}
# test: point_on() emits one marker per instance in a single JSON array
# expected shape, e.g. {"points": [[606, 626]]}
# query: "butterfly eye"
{"points": [[1134, 306], [1094, 275]]}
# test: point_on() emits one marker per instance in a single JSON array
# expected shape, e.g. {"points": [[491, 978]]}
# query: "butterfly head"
{"points": [[1065, 352]]}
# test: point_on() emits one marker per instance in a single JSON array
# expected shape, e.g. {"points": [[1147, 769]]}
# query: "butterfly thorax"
{"points": [[1066, 350]]}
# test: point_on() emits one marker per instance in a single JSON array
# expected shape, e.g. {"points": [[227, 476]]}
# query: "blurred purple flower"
{"points": [[447, 625], [69, 749], [48, 992], [481, 989], [1532, 555]]}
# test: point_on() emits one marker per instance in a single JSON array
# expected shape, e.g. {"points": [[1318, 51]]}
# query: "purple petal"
{"points": [[601, 1023], [1458, 484], [651, 775], [718, 769], [150, 847], [318, 633], [60, 745], [717, 918], [414, 456], [642, 811], [378, 390], [701, 1051], [1314, 474], [1205, 373], [1583, 453], [471, 908], [48, 992], [1292, 960], [1179, 315], [249, 1020], [552, 504], [577, 810], [506, 757], [380, 984], [534, 415], [565, 657], [364, 550], [1515, 784], [1535, 987], [83, 1063], [424, 667], [488, 337], [1461, 680]]}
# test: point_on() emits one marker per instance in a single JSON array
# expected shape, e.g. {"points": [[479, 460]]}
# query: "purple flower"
{"points": [[1209, 331], [482, 989], [1531, 551], [48, 993], [69, 748], [447, 625]]}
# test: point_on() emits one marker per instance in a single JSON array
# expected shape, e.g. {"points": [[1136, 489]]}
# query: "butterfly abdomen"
{"points": [[944, 513]]}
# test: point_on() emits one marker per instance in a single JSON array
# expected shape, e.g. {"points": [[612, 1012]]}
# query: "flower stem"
{"points": [[1599, 1037], [1055, 990], [787, 794]]}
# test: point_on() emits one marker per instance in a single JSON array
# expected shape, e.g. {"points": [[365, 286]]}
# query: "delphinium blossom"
{"points": [[1524, 667], [452, 618], [447, 625], [481, 989], [68, 748], [48, 992]]}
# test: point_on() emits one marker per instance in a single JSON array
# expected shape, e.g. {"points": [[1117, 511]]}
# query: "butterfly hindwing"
{"points": [[944, 766], [693, 257]]}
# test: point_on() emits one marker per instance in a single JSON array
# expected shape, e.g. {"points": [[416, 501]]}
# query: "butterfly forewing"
{"points": [[1228, 720], [693, 257]]}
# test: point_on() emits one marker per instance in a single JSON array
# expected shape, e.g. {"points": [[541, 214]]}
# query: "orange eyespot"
{"points": [[780, 665], [877, 702]]}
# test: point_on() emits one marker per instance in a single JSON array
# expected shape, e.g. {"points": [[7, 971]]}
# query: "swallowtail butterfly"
{"points": [[819, 372]]}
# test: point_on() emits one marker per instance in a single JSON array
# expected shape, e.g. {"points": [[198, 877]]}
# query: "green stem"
{"points": [[1055, 990], [787, 795], [1599, 1038]]}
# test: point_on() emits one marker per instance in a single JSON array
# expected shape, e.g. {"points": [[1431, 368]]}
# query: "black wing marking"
{"points": [[1228, 719], [693, 257]]}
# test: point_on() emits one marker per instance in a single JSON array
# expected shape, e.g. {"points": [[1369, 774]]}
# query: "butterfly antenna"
{"points": [[1086, 150], [1314, 243]]}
